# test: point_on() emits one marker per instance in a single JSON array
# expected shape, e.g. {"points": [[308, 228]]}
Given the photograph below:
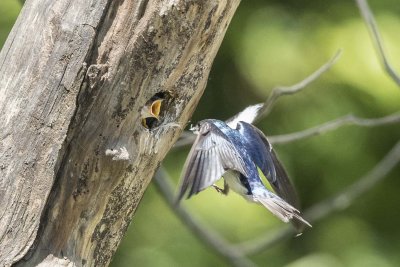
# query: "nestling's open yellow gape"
{"points": [[154, 112], [151, 112]]}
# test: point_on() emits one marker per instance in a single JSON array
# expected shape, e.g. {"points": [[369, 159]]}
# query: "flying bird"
{"points": [[236, 150]]}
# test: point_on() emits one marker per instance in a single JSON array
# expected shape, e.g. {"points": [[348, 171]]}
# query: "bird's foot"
{"points": [[220, 190]]}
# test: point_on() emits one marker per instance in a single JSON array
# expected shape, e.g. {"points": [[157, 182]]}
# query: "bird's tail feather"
{"points": [[280, 208]]}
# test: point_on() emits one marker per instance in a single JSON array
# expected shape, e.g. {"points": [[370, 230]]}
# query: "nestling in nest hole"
{"points": [[154, 110]]}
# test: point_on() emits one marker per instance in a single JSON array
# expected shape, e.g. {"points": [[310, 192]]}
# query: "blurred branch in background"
{"points": [[333, 125], [289, 90], [187, 137], [376, 37]]}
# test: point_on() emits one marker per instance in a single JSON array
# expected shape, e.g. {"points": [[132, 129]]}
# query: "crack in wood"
{"points": [[142, 8]]}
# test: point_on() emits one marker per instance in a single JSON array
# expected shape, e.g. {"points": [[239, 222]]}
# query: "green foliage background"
{"points": [[272, 43]]}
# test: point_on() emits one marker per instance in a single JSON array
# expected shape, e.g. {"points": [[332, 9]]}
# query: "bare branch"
{"points": [[376, 37], [289, 90], [187, 138], [345, 198], [207, 235], [333, 125], [324, 208]]}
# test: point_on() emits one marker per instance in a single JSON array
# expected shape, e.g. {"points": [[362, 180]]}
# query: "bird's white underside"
{"points": [[232, 179]]}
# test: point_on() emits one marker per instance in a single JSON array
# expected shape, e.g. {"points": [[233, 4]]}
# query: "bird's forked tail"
{"points": [[279, 207]]}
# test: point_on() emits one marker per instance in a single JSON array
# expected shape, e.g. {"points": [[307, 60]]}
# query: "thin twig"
{"points": [[319, 129], [207, 235], [289, 90], [376, 37], [324, 208], [333, 125], [187, 138]]}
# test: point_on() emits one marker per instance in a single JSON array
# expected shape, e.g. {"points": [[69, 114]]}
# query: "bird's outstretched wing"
{"points": [[271, 166], [258, 149], [211, 155], [281, 184]]}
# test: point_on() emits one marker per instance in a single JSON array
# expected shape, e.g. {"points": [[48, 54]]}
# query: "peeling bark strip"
{"points": [[75, 159]]}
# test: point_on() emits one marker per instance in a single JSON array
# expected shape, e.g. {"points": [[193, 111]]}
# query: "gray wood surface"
{"points": [[75, 158]]}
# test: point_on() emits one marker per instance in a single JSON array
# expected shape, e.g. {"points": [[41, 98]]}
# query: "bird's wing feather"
{"points": [[210, 156], [280, 182], [260, 154]]}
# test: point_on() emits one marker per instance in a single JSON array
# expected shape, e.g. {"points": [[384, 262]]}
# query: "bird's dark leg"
{"points": [[220, 190]]}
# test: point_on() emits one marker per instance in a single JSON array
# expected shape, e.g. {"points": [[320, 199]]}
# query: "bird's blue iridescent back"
{"points": [[237, 140]]}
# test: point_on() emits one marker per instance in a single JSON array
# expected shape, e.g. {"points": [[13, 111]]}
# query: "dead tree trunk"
{"points": [[75, 158]]}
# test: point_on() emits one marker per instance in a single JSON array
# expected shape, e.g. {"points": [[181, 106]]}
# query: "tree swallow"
{"points": [[237, 151]]}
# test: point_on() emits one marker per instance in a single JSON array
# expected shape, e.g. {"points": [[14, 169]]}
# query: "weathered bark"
{"points": [[75, 158]]}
